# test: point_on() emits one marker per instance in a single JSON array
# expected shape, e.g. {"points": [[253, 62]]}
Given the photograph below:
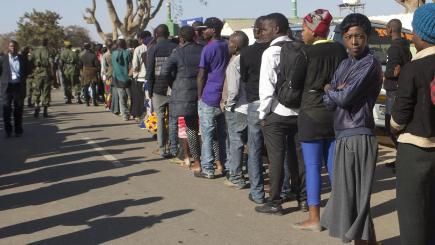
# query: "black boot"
{"points": [[95, 102], [45, 113], [36, 113]]}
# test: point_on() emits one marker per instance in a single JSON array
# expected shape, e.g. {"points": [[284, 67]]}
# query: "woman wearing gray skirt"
{"points": [[353, 92]]}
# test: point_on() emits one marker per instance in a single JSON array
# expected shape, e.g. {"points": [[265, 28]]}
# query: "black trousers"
{"points": [[416, 194], [279, 136], [14, 101]]}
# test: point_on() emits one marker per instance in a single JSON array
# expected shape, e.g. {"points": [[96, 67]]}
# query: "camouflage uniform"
{"points": [[41, 78], [69, 62]]}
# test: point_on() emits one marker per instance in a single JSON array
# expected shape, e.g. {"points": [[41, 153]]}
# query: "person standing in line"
{"points": [[139, 72], [236, 110], [181, 70], [413, 119], [159, 90], [250, 61], [90, 68], [352, 92], [106, 73], [211, 76], [121, 63], [398, 55], [315, 121], [13, 72], [68, 63], [42, 75], [199, 29], [279, 122]]}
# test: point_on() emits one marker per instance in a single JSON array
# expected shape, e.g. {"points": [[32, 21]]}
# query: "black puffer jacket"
{"points": [[181, 69], [156, 57]]}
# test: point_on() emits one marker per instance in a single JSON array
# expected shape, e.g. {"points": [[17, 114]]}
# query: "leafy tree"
{"points": [[77, 35], [33, 27], [136, 18], [411, 5]]}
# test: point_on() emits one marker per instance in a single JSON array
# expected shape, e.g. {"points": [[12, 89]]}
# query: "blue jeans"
{"points": [[212, 121], [173, 135], [315, 154], [255, 152], [237, 134]]}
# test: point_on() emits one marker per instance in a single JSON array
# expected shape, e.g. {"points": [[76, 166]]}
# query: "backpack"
{"points": [[292, 54], [432, 91]]}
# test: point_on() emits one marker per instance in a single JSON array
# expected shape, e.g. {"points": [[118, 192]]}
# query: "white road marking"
{"points": [[104, 153]]}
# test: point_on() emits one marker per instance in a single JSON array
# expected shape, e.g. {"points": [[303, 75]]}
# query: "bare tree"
{"points": [[139, 13], [411, 5], [137, 17]]}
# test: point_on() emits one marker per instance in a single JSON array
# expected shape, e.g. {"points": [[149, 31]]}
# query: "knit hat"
{"points": [[423, 22], [318, 22]]}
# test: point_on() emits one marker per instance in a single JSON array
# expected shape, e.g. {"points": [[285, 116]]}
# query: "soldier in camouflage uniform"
{"points": [[42, 74], [69, 62]]}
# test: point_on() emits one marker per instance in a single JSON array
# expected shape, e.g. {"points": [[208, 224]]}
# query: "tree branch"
{"points": [[91, 19], [114, 15]]}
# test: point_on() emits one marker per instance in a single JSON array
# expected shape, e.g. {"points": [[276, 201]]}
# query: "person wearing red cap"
{"points": [[315, 121]]}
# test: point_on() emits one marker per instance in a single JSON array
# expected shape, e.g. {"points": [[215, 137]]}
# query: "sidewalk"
{"points": [[84, 176]]}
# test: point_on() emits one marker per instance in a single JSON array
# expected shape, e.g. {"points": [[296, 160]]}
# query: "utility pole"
{"points": [[294, 9]]}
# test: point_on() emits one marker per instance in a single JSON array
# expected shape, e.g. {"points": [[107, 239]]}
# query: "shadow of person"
{"points": [[391, 241], [74, 218], [62, 172], [63, 190], [108, 229]]}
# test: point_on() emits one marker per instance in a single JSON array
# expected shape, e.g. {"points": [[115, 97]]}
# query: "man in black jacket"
{"points": [[13, 72], [398, 55], [158, 90]]}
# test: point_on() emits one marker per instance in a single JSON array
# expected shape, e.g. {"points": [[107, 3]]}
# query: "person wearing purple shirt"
{"points": [[211, 76]]}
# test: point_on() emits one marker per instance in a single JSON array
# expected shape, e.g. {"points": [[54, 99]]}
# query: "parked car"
{"points": [[378, 44]]}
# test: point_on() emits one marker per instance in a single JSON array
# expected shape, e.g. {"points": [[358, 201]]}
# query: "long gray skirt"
{"points": [[347, 214]]}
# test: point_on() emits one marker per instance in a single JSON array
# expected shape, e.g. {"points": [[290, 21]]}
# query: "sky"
{"points": [[73, 10]]}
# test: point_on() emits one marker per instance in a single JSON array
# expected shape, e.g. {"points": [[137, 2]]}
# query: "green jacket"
{"points": [[121, 63], [42, 61], [69, 61]]}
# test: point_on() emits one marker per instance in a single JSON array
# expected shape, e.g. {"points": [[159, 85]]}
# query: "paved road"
{"points": [[83, 176]]}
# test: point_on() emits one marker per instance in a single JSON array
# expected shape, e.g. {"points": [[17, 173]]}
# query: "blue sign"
{"points": [[189, 22]]}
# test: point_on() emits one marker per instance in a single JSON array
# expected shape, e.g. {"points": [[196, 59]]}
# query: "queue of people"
{"points": [[286, 105]]}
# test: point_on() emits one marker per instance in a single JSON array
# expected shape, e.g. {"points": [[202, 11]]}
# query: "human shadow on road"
{"points": [[108, 229], [391, 241], [62, 172], [63, 190], [75, 218]]}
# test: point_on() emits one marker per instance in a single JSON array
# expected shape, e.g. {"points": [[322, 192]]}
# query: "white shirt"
{"points": [[268, 78], [138, 64], [14, 65]]}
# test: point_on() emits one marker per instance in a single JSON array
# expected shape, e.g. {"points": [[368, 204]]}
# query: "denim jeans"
{"points": [[160, 104], [124, 94], [237, 134], [315, 153], [255, 152], [173, 135], [212, 121]]}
